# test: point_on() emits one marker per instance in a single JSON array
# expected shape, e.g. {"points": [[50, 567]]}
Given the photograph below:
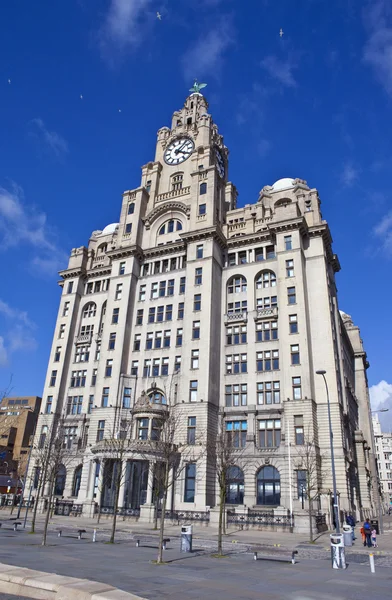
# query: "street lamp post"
{"points": [[335, 497]]}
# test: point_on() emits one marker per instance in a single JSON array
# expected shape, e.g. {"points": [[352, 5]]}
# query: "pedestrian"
{"points": [[351, 521], [368, 534], [362, 532], [374, 538]]}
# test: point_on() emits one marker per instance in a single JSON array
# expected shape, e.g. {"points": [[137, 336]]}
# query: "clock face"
{"points": [[220, 163], [178, 150]]}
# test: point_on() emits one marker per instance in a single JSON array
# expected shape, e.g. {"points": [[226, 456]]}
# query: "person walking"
{"points": [[368, 534], [362, 532], [374, 538], [351, 521]]}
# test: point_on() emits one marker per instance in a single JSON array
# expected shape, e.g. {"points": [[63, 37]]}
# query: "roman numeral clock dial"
{"points": [[178, 150]]}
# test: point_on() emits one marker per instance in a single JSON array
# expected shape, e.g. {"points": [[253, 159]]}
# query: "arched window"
{"points": [[170, 227], [236, 285], [203, 188], [131, 208], [101, 249], [59, 484], [157, 398], [77, 480], [234, 486], [89, 310], [265, 279], [268, 486], [176, 181]]}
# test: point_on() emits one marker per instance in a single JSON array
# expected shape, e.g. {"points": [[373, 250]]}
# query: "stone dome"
{"points": [[110, 229], [283, 184]]}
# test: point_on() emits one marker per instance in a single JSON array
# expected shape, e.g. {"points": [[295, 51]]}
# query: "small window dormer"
{"points": [[176, 181]]}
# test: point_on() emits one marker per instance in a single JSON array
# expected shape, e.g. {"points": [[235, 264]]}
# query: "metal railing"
{"points": [[255, 518], [186, 515]]}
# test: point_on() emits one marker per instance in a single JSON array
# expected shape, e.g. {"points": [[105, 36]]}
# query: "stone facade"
{"points": [[383, 448], [206, 308]]}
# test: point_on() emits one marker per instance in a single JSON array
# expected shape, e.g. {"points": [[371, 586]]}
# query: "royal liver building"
{"points": [[225, 312]]}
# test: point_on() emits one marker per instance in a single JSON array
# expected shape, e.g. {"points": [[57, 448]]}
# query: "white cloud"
{"points": [[3, 353], [280, 70], [383, 231], [124, 26], [378, 47], [21, 224], [349, 175], [205, 56], [49, 140], [381, 397], [15, 314]]}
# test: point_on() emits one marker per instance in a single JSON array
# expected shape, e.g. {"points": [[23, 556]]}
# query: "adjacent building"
{"points": [[383, 446], [189, 303], [18, 418]]}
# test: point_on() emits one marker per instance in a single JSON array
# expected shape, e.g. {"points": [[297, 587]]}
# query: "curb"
{"points": [[47, 586]]}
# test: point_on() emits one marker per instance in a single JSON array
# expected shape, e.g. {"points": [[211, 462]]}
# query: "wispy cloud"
{"points": [[50, 141], [349, 175], [206, 55], [21, 225], [383, 233], [378, 47], [19, 334], [124, 26], [281, 70], [381, 397]]}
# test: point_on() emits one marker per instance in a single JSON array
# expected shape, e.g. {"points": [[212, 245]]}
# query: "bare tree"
{"points": [[309, 461]]}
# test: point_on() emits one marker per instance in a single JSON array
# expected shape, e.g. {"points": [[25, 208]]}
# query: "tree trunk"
{"points": [[116, 497], [156, 511], [99, 513], [35, 508], [48, 513], [310, 518], [162, 523], [221, 517]]}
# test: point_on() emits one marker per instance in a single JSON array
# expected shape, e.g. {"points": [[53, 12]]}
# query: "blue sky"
{"points": [[84, 86]]}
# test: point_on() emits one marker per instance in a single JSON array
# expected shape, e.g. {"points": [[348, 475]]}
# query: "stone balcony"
{"points": [[84, 339], [266, 313], [174, 194], [237, 316]]}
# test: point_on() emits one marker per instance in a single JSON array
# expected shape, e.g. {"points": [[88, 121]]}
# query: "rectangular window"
{"points": [[268, 392], [287, 242], [301, 484], [66, 309], [94, 377], [118, 293], [139, 317], [135, 368], [160, 314], [180, 314], [177, 364], [232, 259], [195, 359], [290, 268], [61, 332], [131, 208], [82, 354], [266, 331], [191, 432], [100, 431], [294, 350], [196, 330], [199, 251], [182, 285], [193, 391], [179, 337], [242, 257], [109, 367], [154, 291], [162, 289], [70, 287], [142, 428], [142, 293], [267, 361], [197, 302], [236, 335], [190, 482], [42, 437], [155, 367], [235, 308], [128, 228], [90, 404], [169, 312], [89, 288], [293, 324], [166, 338], [170, 287], [145, 270], [259, 254], [158, 339], [236, 395], [297, 389], [57, 354], [202, 209], [151, 314], [165, 367], [115, 314], [147, 367], [267, 303], [105, 397], [112, 341], [299, 430], [136, 342], [98, 351], [270, 252], [199, 276], [236, 363], [49, 402], [291, 296], [52, 381], [269, 433], [121, 268], [236, 433]]}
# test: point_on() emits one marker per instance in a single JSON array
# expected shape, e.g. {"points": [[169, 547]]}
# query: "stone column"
{"points": [[150, 482], [169, 502], [122, 484], [100, 481]]}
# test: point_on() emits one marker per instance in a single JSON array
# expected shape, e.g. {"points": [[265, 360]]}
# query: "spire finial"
{"points": [[197, 87]]}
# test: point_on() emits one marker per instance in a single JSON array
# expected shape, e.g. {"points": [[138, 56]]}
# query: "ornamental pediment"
{"points": [[167, 207]]}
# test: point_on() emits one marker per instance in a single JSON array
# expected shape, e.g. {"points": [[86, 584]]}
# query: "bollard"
{"points": [[59, 533], [254, 555], [163, 545], [95, 535], [371, 559], [137, 543]]}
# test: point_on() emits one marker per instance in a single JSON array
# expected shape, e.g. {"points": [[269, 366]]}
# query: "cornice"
{"points": [[70, 273], [98, 272], [298, 223], [163, 250], [244, 240], [214, 232], [124, 251], [163, 208]]}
